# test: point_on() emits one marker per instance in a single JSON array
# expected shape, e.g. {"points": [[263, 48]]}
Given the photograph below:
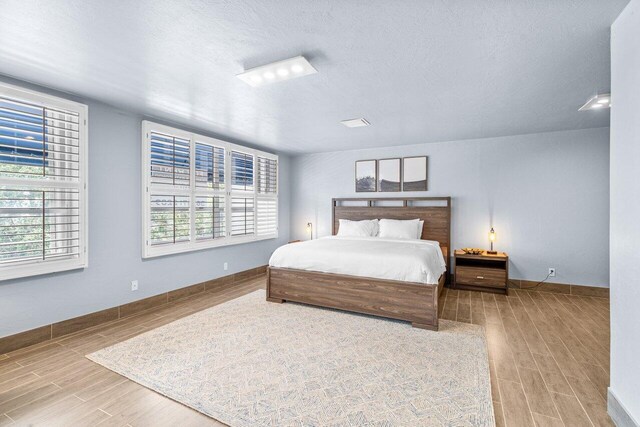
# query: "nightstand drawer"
{"points": [[493, 277]]}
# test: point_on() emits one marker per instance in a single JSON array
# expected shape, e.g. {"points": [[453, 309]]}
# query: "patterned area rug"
{"points": [[248, 362]]}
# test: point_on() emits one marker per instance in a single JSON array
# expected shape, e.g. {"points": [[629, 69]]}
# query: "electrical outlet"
{"points": [[226, 266], [134, 285], [552, 272]]}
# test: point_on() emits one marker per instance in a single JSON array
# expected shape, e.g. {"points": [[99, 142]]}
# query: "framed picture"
{"points": [[389, 175], [414, 173], [366, 176]]}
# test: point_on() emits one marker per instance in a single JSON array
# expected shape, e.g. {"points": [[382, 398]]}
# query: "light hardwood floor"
{"points": [[548, 353], [549, 358]]}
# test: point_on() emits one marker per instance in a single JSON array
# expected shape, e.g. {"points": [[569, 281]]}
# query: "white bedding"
{"points": [[418, 261]]}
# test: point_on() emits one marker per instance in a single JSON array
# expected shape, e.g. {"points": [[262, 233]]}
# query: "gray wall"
{"points": [[625, 210], [547, 195], [115, 237]]}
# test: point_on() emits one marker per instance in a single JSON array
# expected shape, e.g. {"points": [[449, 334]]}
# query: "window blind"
{"points": [[267, 175], [39, 225], [267, 213], [267, 201], [241, 171], [38, 142], [242, 216], [170, 219], [202, 192], [170, 160], [210, 217], [209, 166], [42, 183]]}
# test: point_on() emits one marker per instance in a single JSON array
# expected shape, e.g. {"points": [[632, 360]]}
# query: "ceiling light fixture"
{"points": [[277, 71], [355, 123], [596, 102]]}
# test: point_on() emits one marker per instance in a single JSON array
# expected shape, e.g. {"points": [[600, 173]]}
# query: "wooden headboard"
{"points": [[434, 211]]}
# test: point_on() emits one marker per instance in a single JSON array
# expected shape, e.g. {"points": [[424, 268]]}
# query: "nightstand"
{"points": [[295, 241], [483, 272]]}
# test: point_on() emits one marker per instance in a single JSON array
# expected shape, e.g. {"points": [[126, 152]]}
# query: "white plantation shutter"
{"points": [[170, 219], [209, 166], [168, 190], [267, 172], [242, 194], [241, 171], [267, 196], [242, 216], [201, 192], [267, 217], [170, 159], [42, 183], [210, 217], [210, 200], [40, 224]]}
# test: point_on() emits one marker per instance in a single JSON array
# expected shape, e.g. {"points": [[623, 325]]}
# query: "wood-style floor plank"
{"points": [[544, 421], [514, 404], [599, 377], [553, 377], [591, 400], [571, 412], [549, 363], [5, 420], [537, 393], [499, 415], [501, 354]]}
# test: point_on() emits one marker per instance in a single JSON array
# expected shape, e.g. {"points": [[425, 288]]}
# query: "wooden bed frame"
{"points": [[413, 302]]}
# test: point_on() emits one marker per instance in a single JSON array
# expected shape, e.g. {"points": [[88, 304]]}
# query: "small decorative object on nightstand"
{"points": [[483, 272]]}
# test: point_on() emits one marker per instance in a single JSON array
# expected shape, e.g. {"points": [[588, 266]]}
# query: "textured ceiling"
{"points": [[419, 71]]}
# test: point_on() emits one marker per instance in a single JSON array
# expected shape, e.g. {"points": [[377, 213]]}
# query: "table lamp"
{"points": [[492, 238]]}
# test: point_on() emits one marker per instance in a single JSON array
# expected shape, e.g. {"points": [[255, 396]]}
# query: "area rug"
{"points": [[249, 362]]}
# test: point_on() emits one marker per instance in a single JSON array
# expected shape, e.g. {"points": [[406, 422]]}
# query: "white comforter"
{"points": [[418, 261]]}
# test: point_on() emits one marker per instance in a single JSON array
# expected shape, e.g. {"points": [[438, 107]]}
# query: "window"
{"points": [[200, 192], [43, 176]]}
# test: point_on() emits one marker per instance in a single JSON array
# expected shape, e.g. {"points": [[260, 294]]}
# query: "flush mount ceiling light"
{"points": [[277, 71], [598, 102], [355, 123]]}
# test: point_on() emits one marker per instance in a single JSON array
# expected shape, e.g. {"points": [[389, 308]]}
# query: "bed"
{"points": [[413, 298]]}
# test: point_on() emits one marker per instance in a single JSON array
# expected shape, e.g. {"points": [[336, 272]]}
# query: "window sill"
{"points": [[178, 248], [40, 268]]}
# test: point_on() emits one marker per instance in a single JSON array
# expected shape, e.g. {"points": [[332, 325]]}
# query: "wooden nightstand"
{"points": [[295, 241], [481, 272]]}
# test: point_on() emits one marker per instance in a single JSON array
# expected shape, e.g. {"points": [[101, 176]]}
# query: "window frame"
{"points": [[44, 266], [193, 191]]}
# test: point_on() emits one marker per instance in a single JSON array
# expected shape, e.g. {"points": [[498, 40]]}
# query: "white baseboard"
{"points": [[618, 413]]}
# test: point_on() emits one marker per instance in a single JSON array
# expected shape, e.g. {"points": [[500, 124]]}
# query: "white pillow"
{"points": [[365, 228], [398, 229], [420, 226]]}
